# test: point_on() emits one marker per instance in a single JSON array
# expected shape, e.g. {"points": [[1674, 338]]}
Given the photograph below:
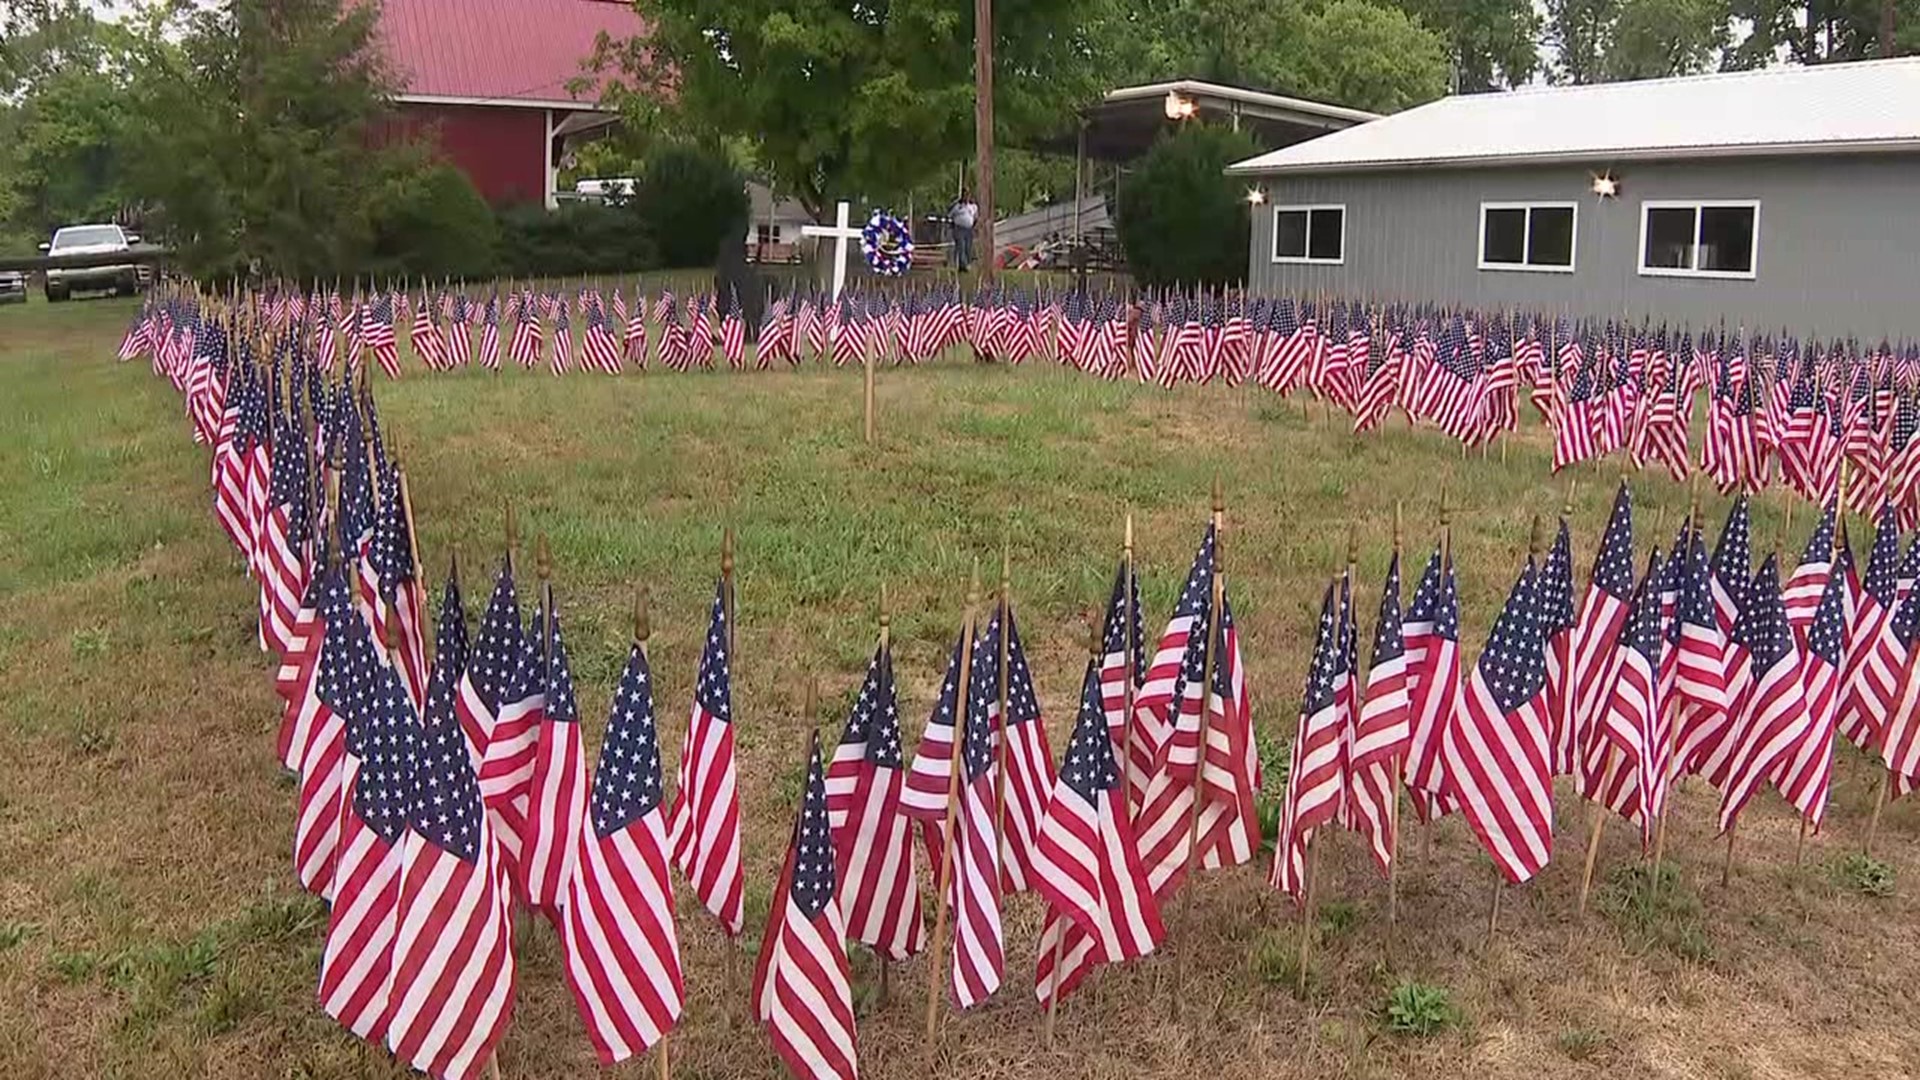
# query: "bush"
{"points": [[576, 238], [689, 200], [434, 224], [1419, 1009], [1182, 219]]}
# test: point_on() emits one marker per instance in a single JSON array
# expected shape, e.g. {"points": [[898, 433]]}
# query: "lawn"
{"points": [[150, 925]]}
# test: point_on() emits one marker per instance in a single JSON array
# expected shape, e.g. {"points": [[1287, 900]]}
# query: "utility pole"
{"points": [[983, 133]]}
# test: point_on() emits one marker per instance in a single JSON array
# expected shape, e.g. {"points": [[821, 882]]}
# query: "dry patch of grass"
{"points": [[149, 925]]}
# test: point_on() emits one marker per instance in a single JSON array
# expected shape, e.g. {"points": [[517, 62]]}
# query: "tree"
{"points": [[688, 200], [839, 99], [265, 137], [1494, 43], [1358, 53], [1814, 33], [1182, 219], [1611, 40]]}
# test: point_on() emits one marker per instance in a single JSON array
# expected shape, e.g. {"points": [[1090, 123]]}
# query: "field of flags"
{"points": [[444, 793], [1779, 410]]}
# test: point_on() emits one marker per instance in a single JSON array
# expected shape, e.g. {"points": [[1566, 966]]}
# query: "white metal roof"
{"points": [[1279, 104], [1871, 105]]}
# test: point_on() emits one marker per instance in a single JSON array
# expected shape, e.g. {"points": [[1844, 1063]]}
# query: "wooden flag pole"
{"points": [[886, 643], [1208, 660], [1126, 616], [513, 540], [726, 586], [1393, 808], [1000, 745], [1598, 815], [1879, 804], [1095, 645], [953, 803]]}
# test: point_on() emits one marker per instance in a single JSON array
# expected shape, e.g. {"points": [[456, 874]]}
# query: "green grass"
{"points": [[149, 924]]}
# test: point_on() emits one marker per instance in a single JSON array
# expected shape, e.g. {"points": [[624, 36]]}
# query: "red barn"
{"points": [[489, 82]]}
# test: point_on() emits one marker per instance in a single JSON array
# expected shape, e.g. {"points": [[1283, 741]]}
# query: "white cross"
{"points": [[841, 232]]}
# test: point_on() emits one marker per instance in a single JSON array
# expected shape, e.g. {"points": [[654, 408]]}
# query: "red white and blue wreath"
{"points": [[886, 244]]}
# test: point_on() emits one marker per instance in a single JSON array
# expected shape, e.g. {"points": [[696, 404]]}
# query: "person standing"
{"points": [[963, 215]]}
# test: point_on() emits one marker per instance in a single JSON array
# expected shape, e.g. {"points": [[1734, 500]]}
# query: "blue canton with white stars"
{"points": [[1883, 559], [1089, 767], [1196, 602], [813, 882], [1437, 601], [1556, 584], [1643, 629], [1514, 664], [1827, 636], [446, 808], [1762, 626], [1819, 547], [1388, 642], [383, 788], [562, 706], [1613, 566], [1324, 672], [1114, 638], [875, 720], [713, 690], [978, 747], [626, 783], [1733, 557], [1022, 706], [498, 650]]}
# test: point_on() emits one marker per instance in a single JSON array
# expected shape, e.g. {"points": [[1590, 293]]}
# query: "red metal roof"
{"points": [[506, 52]]}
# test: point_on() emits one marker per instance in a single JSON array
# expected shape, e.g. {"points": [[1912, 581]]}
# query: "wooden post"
{"points": [[726, 586], [1599, 816], [513, 540], [1000, 736], [886, 646], [937, 946], [1393, 808], [1208, 660], [983, 135], [866, 426], [1126, 617]]}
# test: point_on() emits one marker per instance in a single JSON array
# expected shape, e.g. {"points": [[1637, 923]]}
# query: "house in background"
{"points": [[1787, 197], [489, 83], [773, 225]]}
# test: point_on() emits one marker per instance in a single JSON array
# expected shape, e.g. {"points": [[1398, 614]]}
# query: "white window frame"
{"points": [[1696, 205], [1308, 209], [1526, 238]]}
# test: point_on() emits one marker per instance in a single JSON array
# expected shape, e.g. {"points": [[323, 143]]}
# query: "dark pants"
{"points": [[962, 246]]}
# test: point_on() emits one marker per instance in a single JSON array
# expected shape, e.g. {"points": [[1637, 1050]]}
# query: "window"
{"points": [[1700, 239], [1312, 234], [1527, 236], [764, 234]]}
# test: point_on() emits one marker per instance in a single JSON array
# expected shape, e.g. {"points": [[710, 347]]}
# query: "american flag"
{"points": [[1123, 665], [1221, 771], [321, 730], [1496, 744], [1317, 773], [617, 931], [376, 330], [599, 350], [1805, 771], [1558, 628], [381, 736], [1809, 581], [634, 339], [402, 606], [979, 953], [1704, 691], [1772, 712], [494, 700], [733, 334], [562, 359], [490, 334], [524, 347], [1382, 729], [1624, 765], [873, 835], [283, 543], [704, 820], [1088, 865], [1432, 638], [1021, 795], [803, 990], [453, 964], [557, 791], [930, 775], [1900, 736], [1602, 613], [460, 331], [1876, 660], [294, 679], [427, 342]]}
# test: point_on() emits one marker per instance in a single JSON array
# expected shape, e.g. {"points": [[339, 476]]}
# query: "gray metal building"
{"points": [[1788, 197]]}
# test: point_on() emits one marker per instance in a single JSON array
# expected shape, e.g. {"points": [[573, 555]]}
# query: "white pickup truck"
{"points": [[122, 278]]}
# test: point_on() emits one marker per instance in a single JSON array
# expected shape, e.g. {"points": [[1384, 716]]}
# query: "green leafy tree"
{"points": [[842, 99], [1815, 33], [1611, 40], [262, 137], [431, 222], [1182, 219], [1494, 43], [688, 199]]}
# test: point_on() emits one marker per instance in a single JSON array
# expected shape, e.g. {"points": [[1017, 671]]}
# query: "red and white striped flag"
{"points": [[323, 733], [1809, 581], [1770, 714], [1602, 613], [705, 817], [617, 929], [1088, 862], [979, 949], [557, 791], [1317, 773], [1875, 656], [453, 965], [1622, 763], [929, 777], [1496, 744], [1381, 732], [506, 765], [1556, 608], [1432, 636], [1024, 754], [1123, 664], [873, 835], [1805, 772], [1900, 735], [802, 987]]}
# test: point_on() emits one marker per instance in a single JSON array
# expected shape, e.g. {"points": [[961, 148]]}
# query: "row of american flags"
{"points": [[440, 792], [1778, 409]]}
